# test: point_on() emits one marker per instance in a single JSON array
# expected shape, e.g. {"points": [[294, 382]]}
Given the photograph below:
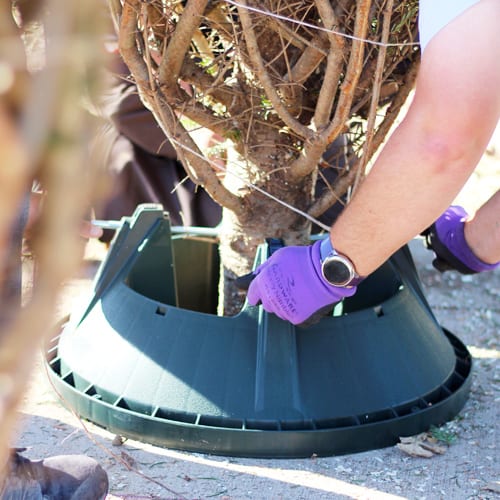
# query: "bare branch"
{"points": [[115, 7], [197, 167], [63, 164], [393, 111], [308, 62], [263, 76], [200, 115], [312, 151], [331, 196], [353, 71], [194, 75], [14, 173], [219, 18], [171, 64], [128, 44], [333, 69], [14, 177], [370, 127], [313, 51], [309, 158]]}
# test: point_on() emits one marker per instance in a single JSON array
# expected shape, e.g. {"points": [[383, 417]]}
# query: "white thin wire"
{"points": [[320, 28], [253, 186]]}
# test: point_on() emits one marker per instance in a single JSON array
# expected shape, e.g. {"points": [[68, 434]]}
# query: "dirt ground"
{"points": [[468, 306]]}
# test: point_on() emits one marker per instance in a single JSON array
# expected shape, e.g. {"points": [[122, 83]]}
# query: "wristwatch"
{"points": [[336, 268]]}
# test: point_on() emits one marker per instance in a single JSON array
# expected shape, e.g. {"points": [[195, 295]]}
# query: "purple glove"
{"points": [[446, 237], [290, 285]]}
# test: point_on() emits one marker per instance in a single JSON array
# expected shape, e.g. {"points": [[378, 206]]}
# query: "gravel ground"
{"points": [[467, 306]]}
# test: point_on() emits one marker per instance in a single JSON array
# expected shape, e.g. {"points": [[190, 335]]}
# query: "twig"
{"points": [[128, 45], [331, 196], [263, 76], [370, 127], [315, 147], [333, 68], [170, 66], [353, 71], [197, 166], [115, 7], [319, 28]]}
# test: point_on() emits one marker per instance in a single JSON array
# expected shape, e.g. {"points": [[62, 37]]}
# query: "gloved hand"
{"points": [[446, 237], [290, 285]]}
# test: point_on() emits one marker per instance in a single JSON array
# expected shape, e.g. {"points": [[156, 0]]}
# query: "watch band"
{"points": [[326, 249]]}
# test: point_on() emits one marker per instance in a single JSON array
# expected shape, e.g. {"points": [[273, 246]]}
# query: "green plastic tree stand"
{"points": [[147, 357]]}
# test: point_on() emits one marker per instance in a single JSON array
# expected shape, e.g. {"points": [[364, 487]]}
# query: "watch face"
{"points": [[336, 271]]}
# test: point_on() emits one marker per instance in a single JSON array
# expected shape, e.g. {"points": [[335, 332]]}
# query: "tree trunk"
{"points": [[263, 218]]}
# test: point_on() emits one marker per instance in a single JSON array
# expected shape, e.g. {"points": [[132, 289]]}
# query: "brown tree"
{"points": [[279, 82]]}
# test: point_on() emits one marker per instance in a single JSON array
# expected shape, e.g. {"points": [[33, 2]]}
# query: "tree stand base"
{"points": [[147, 358]]}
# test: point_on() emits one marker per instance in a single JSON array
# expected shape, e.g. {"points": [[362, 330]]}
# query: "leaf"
{"points": [[431, 444], [493, 486], [415, 450], [422, 445]]}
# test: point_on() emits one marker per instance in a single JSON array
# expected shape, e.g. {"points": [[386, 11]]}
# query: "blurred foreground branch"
{"points": [[45, 134]]}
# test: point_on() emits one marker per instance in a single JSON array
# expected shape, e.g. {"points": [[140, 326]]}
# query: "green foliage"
{"points": [[443, 434], [233, 135]]}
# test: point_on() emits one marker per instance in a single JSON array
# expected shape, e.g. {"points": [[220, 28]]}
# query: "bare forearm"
{"points": [[408, 188]]}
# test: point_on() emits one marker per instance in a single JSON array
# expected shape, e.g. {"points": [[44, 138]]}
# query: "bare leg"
{"points": [[482, 232]]}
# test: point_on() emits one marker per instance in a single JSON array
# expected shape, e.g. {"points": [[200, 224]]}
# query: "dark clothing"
{"points": [[143, 166]]}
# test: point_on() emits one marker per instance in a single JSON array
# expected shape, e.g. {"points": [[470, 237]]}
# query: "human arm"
{"points": [[429, 157], [437, 146]]}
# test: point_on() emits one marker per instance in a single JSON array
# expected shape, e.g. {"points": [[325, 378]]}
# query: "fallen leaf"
{"points": [[412, 439], [494, 486], [434, 447], [415, 450], [422, 445]]}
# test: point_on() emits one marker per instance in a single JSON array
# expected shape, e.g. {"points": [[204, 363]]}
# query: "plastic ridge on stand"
{"points": [[146, 356]]}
